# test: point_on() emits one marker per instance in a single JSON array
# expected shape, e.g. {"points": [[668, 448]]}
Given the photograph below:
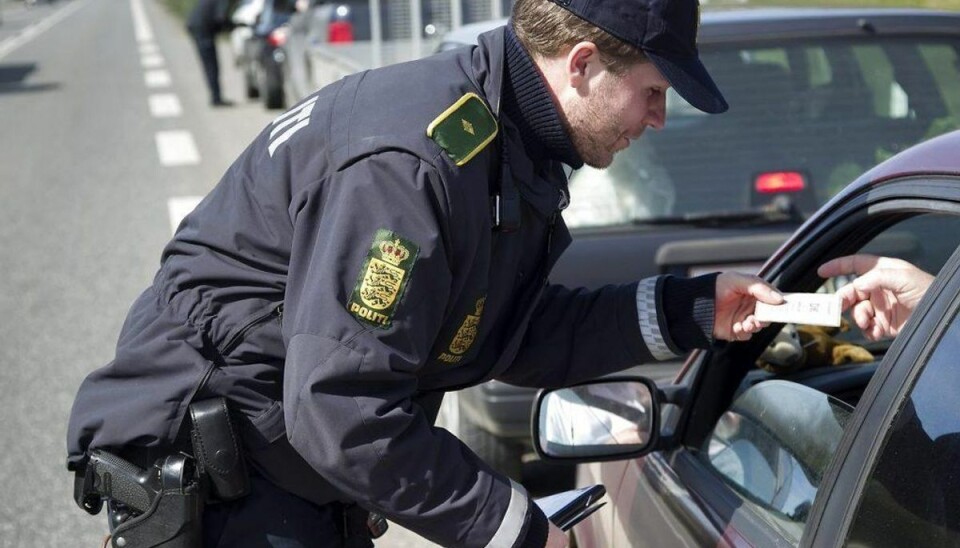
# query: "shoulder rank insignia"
{"points": [[464, 129], [383, 278]]}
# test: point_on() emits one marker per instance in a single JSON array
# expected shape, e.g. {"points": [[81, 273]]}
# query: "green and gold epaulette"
{"points": [[464, 129]]}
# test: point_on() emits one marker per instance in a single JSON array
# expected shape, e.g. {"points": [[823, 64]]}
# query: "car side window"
{"points": [[913, 494], [773, 445], [773, 450]]}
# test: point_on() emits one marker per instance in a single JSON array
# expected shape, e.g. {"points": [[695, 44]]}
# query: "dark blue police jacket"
{"points": [[340, 278]]}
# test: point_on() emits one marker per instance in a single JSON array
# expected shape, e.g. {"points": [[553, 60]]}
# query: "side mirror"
{"points": [[605, 419]]}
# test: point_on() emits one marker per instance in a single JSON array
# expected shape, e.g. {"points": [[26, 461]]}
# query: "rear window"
{"points": [[823, 111]]}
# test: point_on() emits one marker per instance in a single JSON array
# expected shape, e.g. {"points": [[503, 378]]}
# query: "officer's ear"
{"points": [[583, 64]]}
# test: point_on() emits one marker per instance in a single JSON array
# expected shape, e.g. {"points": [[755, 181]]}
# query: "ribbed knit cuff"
{"points": [[537, 529], [689, 304]]}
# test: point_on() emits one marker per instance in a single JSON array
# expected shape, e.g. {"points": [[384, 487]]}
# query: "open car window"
{"points": [[773, 443]]}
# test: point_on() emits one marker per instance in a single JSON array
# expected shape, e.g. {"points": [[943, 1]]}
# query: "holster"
{"points": [[161, 506], [175, 518], [216, 447], [175, 521]]}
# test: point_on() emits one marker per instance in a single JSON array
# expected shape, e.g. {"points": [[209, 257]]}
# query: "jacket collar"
{"points": [[540, 180]]}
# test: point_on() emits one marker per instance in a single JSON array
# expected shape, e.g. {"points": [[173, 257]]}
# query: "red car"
{"points": [[747, 448]]}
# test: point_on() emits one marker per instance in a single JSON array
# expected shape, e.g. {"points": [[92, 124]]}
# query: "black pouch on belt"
{"points": [[216, 447]]}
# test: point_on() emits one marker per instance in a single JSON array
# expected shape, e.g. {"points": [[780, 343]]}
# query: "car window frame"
{"points": [[833, 513], [837, 230]]}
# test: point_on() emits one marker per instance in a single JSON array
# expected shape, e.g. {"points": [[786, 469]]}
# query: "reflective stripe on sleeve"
{"points": [[650, 320], [512, 524]]}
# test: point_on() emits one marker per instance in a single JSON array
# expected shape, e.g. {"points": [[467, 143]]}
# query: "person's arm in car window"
{"points": [[884, 293]]}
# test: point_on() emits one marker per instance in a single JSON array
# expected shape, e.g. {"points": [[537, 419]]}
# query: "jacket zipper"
{"points": [[238, 336]]}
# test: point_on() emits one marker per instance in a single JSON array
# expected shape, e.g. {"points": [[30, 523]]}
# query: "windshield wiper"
{"points": [[780, 210]]}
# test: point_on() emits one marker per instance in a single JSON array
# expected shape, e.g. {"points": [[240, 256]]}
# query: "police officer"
{"points": [[388, 240]]}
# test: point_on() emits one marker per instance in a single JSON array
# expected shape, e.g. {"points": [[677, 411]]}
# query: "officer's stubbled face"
{"points": [[609, 110]]}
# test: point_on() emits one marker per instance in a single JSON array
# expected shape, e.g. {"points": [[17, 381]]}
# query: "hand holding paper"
{"points": [[802, 308]]}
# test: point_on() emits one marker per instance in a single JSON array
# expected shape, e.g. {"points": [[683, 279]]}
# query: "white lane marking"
{"points": [[179, 207], [165, 105], [148, 47], [177, 148], [152, 60], [141, 25], [157, 78], [37, 28]]}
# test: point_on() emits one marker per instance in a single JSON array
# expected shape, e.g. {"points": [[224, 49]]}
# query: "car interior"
{"points": [[782, 419], [826, 111]]}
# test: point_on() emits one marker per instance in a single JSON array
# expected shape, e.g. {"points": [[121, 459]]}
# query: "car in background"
{"points": [[264, 55], [341, 31], [243, 18], [743, 450], [816, 97]]}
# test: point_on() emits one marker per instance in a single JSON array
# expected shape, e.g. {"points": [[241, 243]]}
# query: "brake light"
{"points": [[779, 181], [340, 31], [278, 37]]}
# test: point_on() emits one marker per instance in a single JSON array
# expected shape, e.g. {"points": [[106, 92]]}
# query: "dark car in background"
{"points": [[264, 54], [817, 96], [817, 454]]}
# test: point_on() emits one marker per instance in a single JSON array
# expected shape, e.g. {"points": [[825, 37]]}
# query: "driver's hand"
{"points": [[556, 538], [884, 293]]}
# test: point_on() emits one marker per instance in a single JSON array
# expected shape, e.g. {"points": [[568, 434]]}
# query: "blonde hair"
{"points": [[547, 30]]}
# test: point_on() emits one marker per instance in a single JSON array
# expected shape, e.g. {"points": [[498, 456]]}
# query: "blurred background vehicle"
{"points": [[244, 17], [331, 39], [263, 54], [820, 453]]}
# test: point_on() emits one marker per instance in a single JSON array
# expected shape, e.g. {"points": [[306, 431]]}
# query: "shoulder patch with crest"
{"points": [[464, 129], [383, 278]]}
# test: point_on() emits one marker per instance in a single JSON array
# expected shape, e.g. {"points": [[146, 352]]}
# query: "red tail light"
{"points": [[278, 37], [340, 31], [776, 182]]}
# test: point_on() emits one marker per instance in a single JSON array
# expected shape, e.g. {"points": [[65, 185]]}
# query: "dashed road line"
{"points": [[157, 78], [174, 147], [177, 148], [179, 207], [151, 60], [141, 25], [165, 105], [34, 30]]}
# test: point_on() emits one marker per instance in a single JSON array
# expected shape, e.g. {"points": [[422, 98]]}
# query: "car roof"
{"points": [[937, 156], [746, 23], [932, 157], [742, 23]]}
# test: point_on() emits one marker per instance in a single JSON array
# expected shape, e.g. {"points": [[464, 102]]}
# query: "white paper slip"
{"points": [[802, 308]]}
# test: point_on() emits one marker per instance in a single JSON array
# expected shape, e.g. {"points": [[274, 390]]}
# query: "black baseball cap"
{"points": [[666, 31]]}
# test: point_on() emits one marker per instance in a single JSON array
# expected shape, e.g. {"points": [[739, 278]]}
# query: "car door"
{"points": [[896, 481], [684, 497]]}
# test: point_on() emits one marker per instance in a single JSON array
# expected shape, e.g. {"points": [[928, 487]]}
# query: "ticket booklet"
{"points": [[803, 308]]}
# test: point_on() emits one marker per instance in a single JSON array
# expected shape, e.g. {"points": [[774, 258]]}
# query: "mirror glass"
{"points": [[601, 419]]}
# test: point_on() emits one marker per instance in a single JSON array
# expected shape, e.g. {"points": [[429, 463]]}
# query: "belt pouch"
{"points": [[216, 447]]}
